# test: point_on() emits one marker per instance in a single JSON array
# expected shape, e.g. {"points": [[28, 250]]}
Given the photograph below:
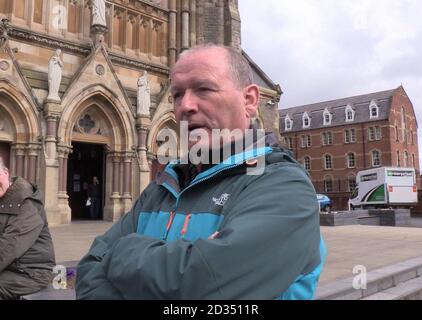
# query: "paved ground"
{"points": [[348, 246]]}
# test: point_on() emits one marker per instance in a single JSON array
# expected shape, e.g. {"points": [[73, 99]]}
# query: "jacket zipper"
{"points": [[172, 213], [185, 226], [169, 223]]}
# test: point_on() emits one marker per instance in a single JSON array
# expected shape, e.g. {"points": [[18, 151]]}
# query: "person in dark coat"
{"points": [[26, 248], [94, 193]]}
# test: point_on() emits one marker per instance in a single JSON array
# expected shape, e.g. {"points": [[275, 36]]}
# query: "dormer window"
{"points": [[350, 114], [327, 117], [373, 110], [306, 120], [288, 123]]}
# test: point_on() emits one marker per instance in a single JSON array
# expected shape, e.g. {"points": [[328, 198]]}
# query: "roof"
{"points": [[260, 77], [360, 104]]}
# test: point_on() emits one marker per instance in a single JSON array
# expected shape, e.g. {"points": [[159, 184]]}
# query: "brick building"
{"points": [[336, 139], [94, 127]]}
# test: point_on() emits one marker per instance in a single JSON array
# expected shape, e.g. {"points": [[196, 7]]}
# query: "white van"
{"points": [[385, 187]]}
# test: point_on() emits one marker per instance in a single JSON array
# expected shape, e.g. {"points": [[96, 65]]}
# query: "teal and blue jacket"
{"points": [[223, 235]]}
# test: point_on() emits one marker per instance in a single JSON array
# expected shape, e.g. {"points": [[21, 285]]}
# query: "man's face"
{"points": [[206, 96], [4, 181]]}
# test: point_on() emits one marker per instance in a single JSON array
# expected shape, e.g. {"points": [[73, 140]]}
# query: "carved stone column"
{"points": [[33, 152], [127, 181], [143, 125], [63, 199], [192, 23], [20, 159], [172, 33], [185, 25], [50, 165], [113, 208]]}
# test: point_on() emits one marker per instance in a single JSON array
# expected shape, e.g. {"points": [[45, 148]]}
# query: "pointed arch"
{"points": [[26, 127], [120, 121]]}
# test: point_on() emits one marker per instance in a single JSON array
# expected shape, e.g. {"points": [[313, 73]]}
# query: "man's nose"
{"points": [[189, 102]]}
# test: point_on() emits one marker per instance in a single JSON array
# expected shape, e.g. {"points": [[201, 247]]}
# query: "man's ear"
{"points": [[251, 98]]}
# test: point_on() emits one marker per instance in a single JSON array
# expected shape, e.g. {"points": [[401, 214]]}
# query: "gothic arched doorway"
{"points": [[86, 161]]}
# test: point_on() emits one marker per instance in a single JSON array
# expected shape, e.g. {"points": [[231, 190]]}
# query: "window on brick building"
{"points": [[403, 124], [406, 159], [378, 133], [352, 135], [327, 138], [371, 133], [288, 123], [413, 161], [373, 110], [412, 140], [306, 120], [289, 142], [376, 158], [349, 136], [350, 114], [398, 158], [328, 162], [351, 160], [328, 184], [308, 141], [327, 117], [307, 163], [351, 183], [396, 130]]}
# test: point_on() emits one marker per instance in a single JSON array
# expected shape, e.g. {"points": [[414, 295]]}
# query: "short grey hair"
{"points": [[239, 67]]}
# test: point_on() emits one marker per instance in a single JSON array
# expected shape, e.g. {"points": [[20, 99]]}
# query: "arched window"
{"points": [[351, 160], [376, 158], [406, 159], [328, 162], [403, 124], [306, 120], [398, 158], [307, 163], [288, 123], [327, 117], [373, 110], [328, 184], [413, 161], [350, 113]]}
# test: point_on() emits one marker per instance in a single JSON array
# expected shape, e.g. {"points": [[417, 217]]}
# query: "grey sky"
{"points": [[328, 49]]}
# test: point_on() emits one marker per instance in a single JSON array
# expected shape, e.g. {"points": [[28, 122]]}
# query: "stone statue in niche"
{"points": [[55, 66], [98, 13], [144, 96]]}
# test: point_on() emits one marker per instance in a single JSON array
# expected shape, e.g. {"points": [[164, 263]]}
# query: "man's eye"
{"points": [[204, 89]]}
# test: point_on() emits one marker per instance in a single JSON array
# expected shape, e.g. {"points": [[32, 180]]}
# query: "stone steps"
{"points": [[402, 280]]}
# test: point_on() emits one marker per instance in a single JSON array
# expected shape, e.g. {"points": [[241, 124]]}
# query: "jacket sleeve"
{"points": [[21, 232], [270, 238], [91, 281]]}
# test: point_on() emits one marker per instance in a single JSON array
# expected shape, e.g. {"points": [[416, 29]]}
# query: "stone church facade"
{"points": [[94, 130]]}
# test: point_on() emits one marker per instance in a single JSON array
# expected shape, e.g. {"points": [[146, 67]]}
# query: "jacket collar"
{"points": [[13, 199]]}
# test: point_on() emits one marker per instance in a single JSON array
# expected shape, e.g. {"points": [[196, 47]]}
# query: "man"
{"points": [[94, 194], [26, 248], [213, 231]]}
